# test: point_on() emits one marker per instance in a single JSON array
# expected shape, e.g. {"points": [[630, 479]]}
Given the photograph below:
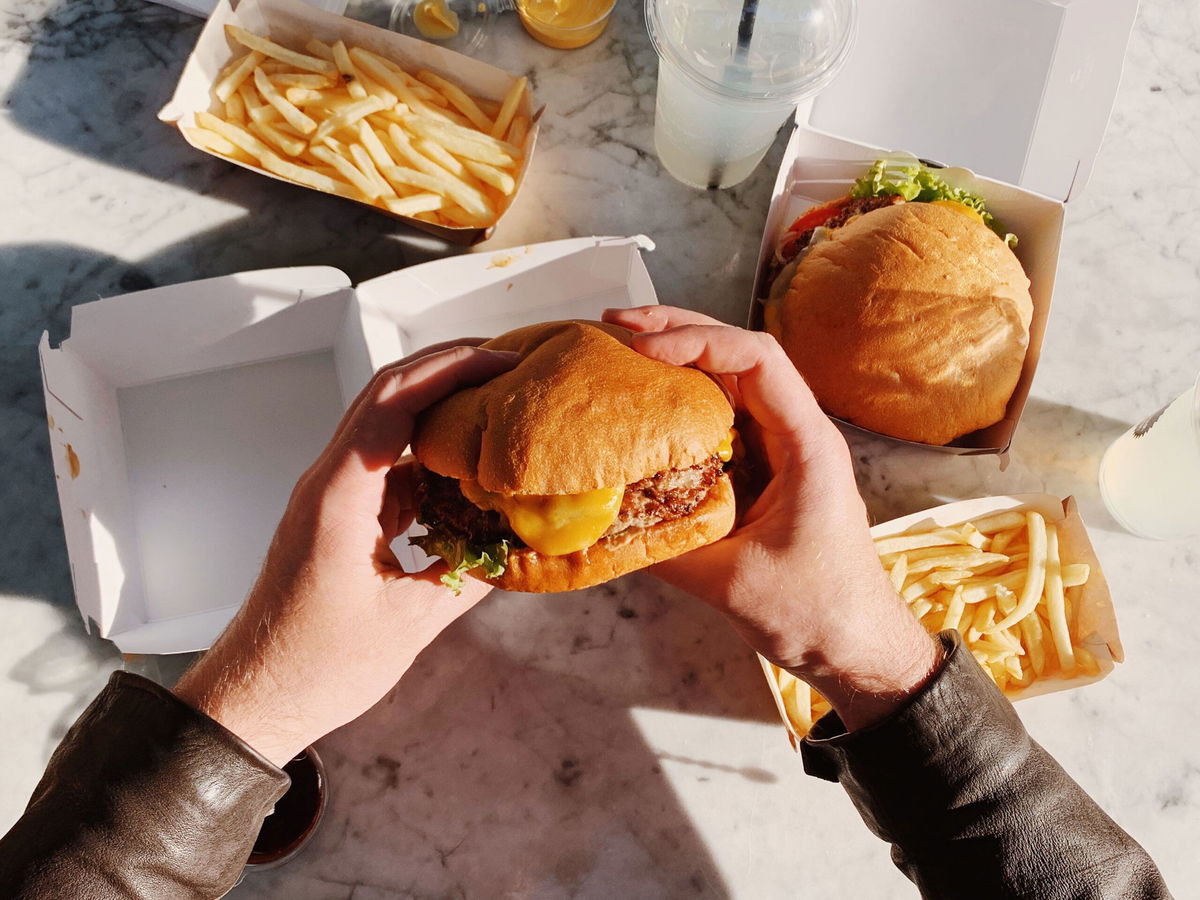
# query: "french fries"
{"points": [[1001, 582], [1007, 594], [350, 122]]}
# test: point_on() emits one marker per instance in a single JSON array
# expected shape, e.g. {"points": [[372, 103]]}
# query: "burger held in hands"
{"points": [[584, 462], [903, 306]]}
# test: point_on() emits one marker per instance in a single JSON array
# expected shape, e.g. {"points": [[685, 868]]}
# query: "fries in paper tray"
{"points": [[1016, 576], [342, 107]]}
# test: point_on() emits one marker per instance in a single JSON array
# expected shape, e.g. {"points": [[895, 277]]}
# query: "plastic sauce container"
{"points": [[565, 24]]}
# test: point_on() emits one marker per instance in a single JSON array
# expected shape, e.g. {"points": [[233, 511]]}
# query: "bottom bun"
{"points": [[635, 548]]}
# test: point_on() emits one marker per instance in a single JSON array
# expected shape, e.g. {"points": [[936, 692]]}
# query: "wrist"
{"points": [[249, 707], [869, 674]]}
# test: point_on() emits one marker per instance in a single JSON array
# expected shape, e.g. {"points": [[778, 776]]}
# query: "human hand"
{"points": [[333, 622], [798, 577]]}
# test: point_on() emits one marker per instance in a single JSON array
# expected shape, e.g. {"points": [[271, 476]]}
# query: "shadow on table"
{"points": [[503, 766], [66, 662], [1057, 450]]}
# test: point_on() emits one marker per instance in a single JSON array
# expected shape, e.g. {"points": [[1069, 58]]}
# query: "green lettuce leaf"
{"points": [[462, 558], [917, 183]]}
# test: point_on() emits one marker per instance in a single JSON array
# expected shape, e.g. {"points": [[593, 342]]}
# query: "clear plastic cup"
{"points": [[730, 72], [1150, 475]]}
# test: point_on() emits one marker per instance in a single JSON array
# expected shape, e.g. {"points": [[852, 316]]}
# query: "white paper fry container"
{"points": [[1095, 619], [293, 23]]}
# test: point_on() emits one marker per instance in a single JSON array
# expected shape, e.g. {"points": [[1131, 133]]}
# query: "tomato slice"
{"points": [[819, 215]]}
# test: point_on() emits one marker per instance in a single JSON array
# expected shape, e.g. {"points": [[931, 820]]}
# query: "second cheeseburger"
{"points": [[585, 461], [903, 307]]}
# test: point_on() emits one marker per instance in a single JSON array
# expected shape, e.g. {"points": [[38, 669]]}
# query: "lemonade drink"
{"points": [[730, 73], [1150, 476]]}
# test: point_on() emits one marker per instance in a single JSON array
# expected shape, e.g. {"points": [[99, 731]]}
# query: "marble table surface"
{"points": [[618, 742]]}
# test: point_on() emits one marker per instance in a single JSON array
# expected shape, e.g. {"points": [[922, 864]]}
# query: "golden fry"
{"points": [[458, 98], [277, 139], [346, 117], [898, 573], [235, 109], [1003, 521], [954, 611], [508, 108], [1056, 604], [232, 79], [341, 59], [291, 114], [320, 50], [309, 80], [369, 139], [413, 204], [210, 140], [362, 159], [267, 47], [517, 132], [441, 156], [347, 170], [235, 134], [497, 178]]}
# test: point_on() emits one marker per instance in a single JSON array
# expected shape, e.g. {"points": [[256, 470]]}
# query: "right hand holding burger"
{"points": [[798, 577]]}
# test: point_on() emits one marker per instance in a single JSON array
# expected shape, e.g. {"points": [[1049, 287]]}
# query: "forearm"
{"points": [[144, 798], [964, 795]]}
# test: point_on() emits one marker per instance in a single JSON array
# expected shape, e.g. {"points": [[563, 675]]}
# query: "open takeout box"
{"points": [[1095, 620], [180, 417], [293, 23], [1018, 91]]}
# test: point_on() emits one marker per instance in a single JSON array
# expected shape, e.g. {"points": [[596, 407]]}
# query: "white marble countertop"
{"points": [[618, 742]]}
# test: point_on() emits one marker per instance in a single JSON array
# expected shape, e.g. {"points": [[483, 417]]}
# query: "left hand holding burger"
{"points": [[798, 577], [333, 622]]}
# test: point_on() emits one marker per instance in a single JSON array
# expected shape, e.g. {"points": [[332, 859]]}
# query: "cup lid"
{"points": [[782, 50]]}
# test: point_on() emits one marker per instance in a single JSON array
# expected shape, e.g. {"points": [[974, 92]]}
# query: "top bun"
{"points": [[911, 320], [580, 411]]}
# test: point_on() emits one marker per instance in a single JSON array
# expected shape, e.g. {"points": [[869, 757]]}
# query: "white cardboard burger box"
{"points": [[1095, 620], [1019, 91], [180, 417], [293, 23]]}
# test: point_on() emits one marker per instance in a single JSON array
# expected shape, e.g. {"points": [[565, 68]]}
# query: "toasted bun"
{"points": [[582, 410], [912, 321], [628, 551]]}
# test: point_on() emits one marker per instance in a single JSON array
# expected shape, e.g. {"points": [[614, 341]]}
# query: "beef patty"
{"points": [[666, 495]]}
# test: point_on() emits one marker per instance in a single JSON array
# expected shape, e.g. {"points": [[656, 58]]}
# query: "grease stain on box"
{"points": [[73, 462]]}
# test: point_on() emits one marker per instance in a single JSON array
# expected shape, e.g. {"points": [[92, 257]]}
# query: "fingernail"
{"points": [[510, 355]]}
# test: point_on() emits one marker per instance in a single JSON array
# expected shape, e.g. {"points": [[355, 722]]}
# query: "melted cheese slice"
{"points": [[725, 448], [960, 208], [556, 524]]}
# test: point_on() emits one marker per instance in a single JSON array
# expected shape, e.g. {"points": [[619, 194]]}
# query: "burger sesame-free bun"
{"points": [[911, 320], [624, 552], [581, 410]]}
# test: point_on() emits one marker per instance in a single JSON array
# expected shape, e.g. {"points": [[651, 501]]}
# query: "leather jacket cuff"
{"points": [[146, 795], [829, 749]]}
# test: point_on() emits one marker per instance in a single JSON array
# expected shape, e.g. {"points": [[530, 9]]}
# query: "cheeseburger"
{"points": [[585, 461], [903, 306]]}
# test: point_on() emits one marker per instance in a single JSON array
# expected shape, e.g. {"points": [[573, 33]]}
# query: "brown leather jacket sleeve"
{"points": [[971, 805], [144, 798]]}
